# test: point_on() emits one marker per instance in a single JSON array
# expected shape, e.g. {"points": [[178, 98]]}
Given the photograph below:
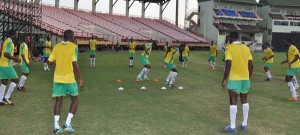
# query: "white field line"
{"points": [[254, 73]]}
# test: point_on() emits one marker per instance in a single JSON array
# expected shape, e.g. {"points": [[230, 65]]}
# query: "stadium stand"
{"points": [[106, 26], [247, 14], [218, 12], [180, 30], [229, 12], [276, 16], [249, 27]]}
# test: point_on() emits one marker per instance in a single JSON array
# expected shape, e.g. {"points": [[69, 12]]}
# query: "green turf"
{"points": [[201, 108]]}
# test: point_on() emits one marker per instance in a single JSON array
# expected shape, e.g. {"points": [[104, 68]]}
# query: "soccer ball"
{"points": [[143, 88], [120, 88], [163, 88], [180, 88]]}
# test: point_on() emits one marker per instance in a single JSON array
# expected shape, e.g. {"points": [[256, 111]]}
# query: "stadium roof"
{"points": [[240, 1], [294, 3], [155, 1]]}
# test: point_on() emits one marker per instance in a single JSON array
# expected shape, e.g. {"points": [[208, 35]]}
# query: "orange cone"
{"points": [[118, 81]]}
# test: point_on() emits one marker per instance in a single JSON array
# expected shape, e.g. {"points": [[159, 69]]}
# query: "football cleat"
{"points": [[58, 131], [244, 128], [8, 102], [3, 103], [228, 129], [68, 128], [140, 78]]}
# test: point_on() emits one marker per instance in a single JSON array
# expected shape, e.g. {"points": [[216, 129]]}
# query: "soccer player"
{"points": [[145, 62], [294, 65], [213, 55], [24, 57], [65, 56], [131, 52], [172, 52], [251, 43], [238, 70], [268, 59], [224, 48], [93, 44], [47, 52], [166, 47], [6, 69], [185, 55]]}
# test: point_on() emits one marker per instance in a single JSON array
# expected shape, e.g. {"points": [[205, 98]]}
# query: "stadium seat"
{"points": [[218, 12], [110, 27], [229, 12], [247, 14]]}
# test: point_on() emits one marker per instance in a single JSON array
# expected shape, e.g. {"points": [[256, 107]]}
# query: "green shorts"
{"points": [[8, 73], [131, 54], [92, 52], [46, 54], [144, 60], [185, 58], [212, 58], [62, 89], [170, 65], [239, 86], [24, 69], [292, 71], [268, 65]]}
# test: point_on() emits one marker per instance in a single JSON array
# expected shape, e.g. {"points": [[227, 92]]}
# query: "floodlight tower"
{"points": [[186, 23]]}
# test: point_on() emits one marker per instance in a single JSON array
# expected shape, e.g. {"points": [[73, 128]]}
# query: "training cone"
{"points": [[120, 88], [136, 80], [163, 88], [118, 81], [155, 80], [143, 88], [180, 88]]}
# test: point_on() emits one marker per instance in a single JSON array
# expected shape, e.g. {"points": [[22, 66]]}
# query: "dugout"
{"points": [[278, 42]]}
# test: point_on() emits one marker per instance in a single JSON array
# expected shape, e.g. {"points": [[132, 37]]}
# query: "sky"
{"points": [[135, 10]]}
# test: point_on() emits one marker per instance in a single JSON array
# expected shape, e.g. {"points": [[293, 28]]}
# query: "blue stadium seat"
{"points": [[248, 14], [219, 12], [229, 12]]}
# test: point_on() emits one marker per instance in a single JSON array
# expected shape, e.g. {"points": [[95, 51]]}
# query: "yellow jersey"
{"points": [[268, 54], [291, 55], [171, 55], [131, 47], [93, 44], [7, 47], [147, 51], [64, 54], [48, 45], [213, 50], [239, 54], [186, 51], [24, 51]]}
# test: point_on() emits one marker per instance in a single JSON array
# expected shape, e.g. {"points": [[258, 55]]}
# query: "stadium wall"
{"points": [[206, 20]]}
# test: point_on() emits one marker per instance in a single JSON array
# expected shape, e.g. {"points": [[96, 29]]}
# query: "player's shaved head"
{"points": [[288, 40], [26, 38], [233, 36], [68, 35], [12, 34]]}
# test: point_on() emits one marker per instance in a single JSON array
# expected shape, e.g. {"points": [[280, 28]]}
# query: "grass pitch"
{"points": [[201, 108]]}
